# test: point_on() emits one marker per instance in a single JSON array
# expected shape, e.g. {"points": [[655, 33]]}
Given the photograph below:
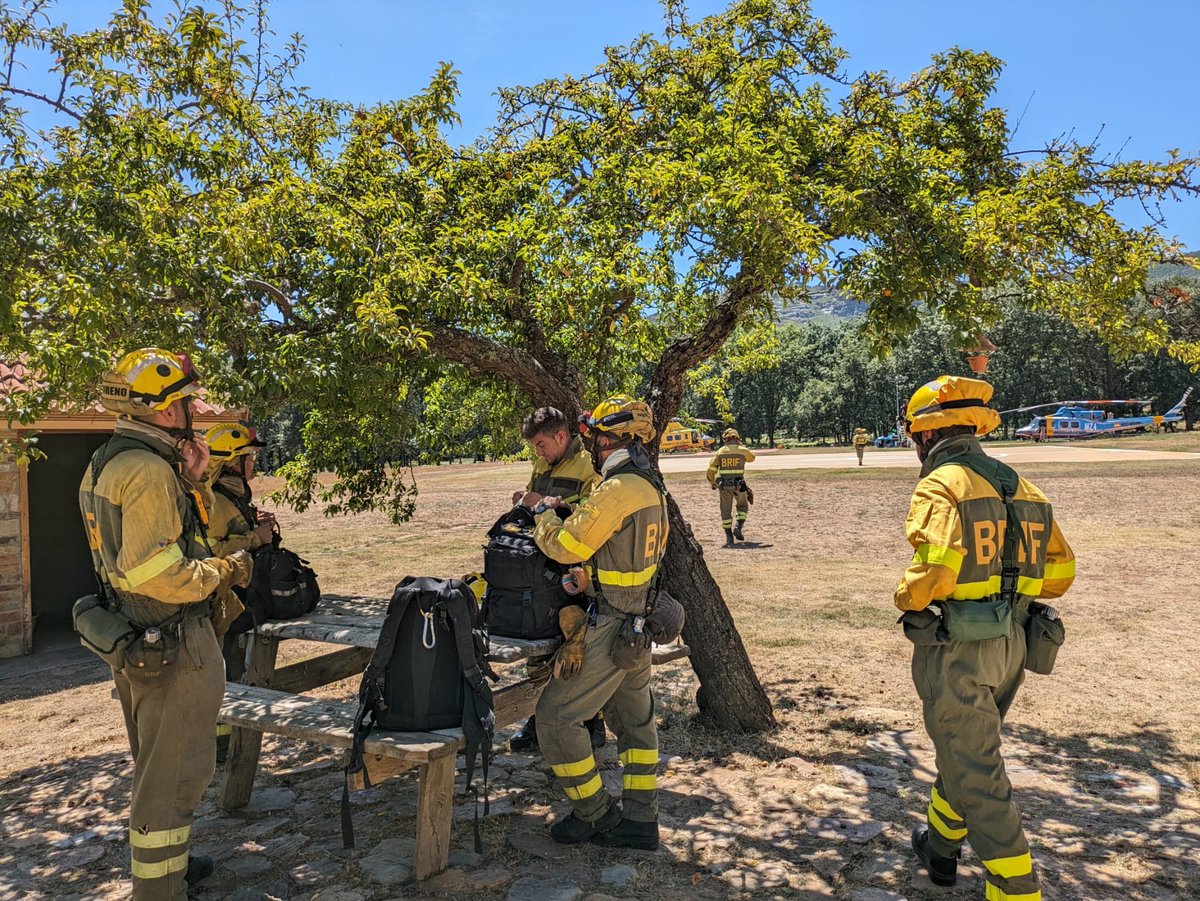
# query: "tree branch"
{"points": [[42, 97]]}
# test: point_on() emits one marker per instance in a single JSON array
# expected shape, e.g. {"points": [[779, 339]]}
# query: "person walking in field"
{"points": [[727, 474], [860, 443], [987, 547]]}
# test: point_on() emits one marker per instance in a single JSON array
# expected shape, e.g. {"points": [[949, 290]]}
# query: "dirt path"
{"points": [[1103, 755]]}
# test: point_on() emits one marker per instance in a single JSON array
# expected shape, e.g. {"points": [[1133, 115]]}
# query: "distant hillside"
{"points": [[826, 304]]}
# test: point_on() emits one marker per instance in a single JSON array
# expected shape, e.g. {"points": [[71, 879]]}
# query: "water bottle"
{"points": [[152, 635]]}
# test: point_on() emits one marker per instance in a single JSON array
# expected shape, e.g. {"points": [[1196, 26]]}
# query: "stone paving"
{"points": [[733, 826]]}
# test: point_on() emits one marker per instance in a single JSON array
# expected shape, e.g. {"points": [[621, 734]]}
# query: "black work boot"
{"points": [[943, 871], [630, 834], [595, 727], [525, 738], [200, 866], [737, 532], [571, 830], [729, 538]]}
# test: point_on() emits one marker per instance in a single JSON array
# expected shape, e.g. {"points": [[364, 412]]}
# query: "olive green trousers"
{"points": [[170, 720], [628, 706], [966, 689]]}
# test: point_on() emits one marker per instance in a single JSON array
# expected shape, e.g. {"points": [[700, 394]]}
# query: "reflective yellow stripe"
{"points": [[144, 572], [589, 788], [1010, 867], [939, 555], [995, 893], [159, 868], [572, 770], [731, 472], [641, 783], [976, 591], [162, 838], [1030, 587], [626, 580], [952, 835], [942, 805], [639, 755], [224, 729], [575, 547], [1060, 570]]}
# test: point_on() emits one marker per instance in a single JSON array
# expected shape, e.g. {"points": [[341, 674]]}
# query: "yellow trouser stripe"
{"points": [[589, 788], [626, 580], [575, 546], [942, 805], [159, 868], [639, 755], [224, 729], [144, 572], [578, 768], [950, 835], [939, 555], [641, 783], [995, 893], [161, 838], [1010, 867], [1060, 570]]}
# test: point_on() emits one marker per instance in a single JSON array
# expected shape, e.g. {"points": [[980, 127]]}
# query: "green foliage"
{"points": [[629, 220]]}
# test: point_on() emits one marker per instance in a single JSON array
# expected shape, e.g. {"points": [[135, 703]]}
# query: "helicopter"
{"points": [[1091, 419]]}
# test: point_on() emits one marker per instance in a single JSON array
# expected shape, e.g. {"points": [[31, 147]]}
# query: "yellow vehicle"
{"points": [[679, 437]]}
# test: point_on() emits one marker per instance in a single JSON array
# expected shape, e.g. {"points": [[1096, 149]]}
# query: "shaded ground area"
{"points": [[1103, 753]]}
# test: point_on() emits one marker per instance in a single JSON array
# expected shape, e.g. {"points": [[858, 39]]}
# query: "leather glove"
{"points": [[569, 658], [226, 607]]}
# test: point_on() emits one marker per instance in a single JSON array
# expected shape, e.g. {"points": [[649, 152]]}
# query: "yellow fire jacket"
{"points": [[134, 518], [229, 528], [729, 461], [572, 478], [956, 525], [861, 439], [621, 528]]}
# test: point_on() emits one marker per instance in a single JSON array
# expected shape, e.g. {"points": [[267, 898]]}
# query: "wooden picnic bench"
{"points": [[270, 699]]}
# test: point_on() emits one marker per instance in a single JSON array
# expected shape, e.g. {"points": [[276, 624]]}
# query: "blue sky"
{"points": [[1127, 67]]}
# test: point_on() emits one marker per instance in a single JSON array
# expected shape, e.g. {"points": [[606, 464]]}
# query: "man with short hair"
{"points": [[561, 468], [143, 500], [987, 547]]}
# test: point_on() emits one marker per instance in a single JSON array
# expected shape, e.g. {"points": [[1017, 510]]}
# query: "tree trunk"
{"points": [[730, 694]]}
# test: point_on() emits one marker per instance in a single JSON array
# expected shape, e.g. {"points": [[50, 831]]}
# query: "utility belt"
{"points": [[946, 621], [150, 651], [738, 483]]}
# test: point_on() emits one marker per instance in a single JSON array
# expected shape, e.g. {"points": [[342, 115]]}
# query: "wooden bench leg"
{"points": [[245, 744], [435, 808]]}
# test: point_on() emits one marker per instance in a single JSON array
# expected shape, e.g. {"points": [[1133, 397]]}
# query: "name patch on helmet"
{"points": [[115, 389]]}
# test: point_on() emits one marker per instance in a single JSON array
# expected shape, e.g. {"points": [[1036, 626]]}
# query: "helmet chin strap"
{"points": [[188, 432]]}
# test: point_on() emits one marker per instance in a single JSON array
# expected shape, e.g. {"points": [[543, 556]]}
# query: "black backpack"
{"points": [[283, 586], [524, 586], [427, 673]]}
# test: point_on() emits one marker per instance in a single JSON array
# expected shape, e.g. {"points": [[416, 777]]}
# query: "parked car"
{"points": [[891, 439]]}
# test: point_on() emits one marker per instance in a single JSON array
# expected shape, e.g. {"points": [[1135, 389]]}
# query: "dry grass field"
{"points": [[1104, 754]]}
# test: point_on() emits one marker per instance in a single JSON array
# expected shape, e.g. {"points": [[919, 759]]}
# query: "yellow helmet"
{"points": [[622, 416], [952, 400], [730, 435], [232, 439], [147, 380]]}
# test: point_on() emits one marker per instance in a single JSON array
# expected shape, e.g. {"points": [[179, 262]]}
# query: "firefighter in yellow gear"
{"points": [[860, 443], [727, 474], [562, 467], [968, 593], [144, 502], [619, 533], [234, 525]]}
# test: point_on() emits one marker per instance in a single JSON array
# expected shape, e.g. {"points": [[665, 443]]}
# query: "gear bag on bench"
{"points": [[427, 673], [524, 586]]}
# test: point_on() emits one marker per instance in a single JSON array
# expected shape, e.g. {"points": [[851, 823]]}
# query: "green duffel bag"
{"points": [[977, 620], [103, 631], [1044, 635]]}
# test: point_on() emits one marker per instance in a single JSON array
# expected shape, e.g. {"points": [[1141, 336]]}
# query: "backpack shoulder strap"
{"points": [[1004, 481], [243, 505]]}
